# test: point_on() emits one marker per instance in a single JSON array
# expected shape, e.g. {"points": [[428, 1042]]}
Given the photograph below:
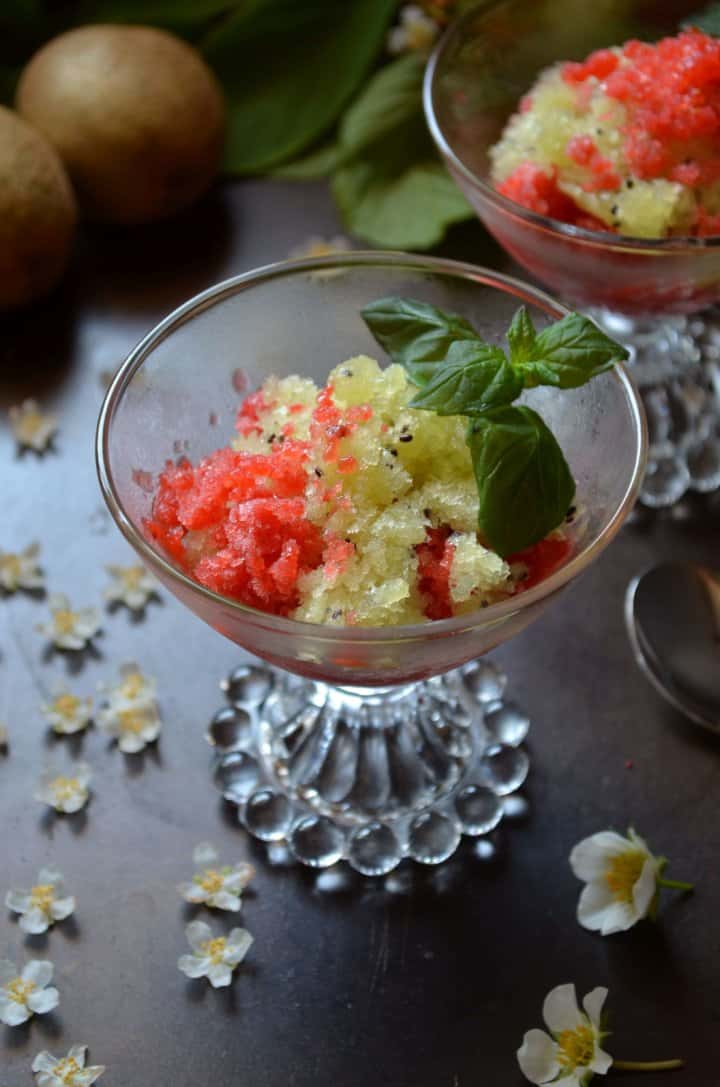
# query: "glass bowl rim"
{"points": [[551, 226], [478, 619]]}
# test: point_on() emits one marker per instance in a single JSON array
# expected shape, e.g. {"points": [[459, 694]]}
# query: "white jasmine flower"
{"points": [[571, 1053], [20, 570], [63, 792], [67, 1071], [416, 32], [134, 727], [68, 713], [32, 428], [25, 994], [131, 585], [213, 957], [622, 880], [43, 904], [70, 629], [133, 691], [218, 887]]}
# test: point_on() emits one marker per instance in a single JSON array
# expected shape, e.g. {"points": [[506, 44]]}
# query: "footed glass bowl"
{"points": [[643, 291], [356, 756]]}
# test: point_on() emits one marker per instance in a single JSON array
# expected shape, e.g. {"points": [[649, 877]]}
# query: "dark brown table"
{"points": [[428, 985]]}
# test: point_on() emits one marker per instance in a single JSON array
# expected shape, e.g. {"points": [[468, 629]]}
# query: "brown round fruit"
{"points": [[135, 114], [37, 213]]}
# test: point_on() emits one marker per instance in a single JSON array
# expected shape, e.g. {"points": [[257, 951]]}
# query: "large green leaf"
{"points": [[288, 68], [187, 18], [390, 188], [392, 196], [316, 164]]}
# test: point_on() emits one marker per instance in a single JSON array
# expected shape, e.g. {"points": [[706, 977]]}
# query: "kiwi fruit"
{"points": [[37, 213], [135, 114]]}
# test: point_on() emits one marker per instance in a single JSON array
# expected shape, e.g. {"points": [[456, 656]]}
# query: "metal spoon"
{"points": [[672, 614]]}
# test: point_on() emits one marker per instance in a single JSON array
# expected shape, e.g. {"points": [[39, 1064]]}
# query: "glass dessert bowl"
{"points": [[648, 293], [369, 743]]}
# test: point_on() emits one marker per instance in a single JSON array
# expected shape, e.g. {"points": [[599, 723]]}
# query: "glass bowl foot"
{"points": [[675, 361], [369, 776]]}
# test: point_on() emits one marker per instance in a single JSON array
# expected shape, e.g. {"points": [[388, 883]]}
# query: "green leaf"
{"points": [[569, 353], [389, 100], [316, 164], [474, 377], [188, 18], [288, 69], [524, 483], [391, 188], [707, 19], [407, 208], [415, 334], [521, 337]]}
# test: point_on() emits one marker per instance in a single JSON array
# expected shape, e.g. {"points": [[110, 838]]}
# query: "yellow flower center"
{"points": [[65, 788], [41, 897], [623, 872], [66, 1069], [65, 621], [66, 705], [211, 881], [575, 1047], [10, 564], [132, 685], [19, 990], [132, 721], [132, 576], [214, 949]]}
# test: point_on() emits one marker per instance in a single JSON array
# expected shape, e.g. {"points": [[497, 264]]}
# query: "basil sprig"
{"points": [[525, 486]]}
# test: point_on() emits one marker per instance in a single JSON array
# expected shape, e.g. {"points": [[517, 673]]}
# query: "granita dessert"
{"points": [[390, 495], [341, 505], [626, 141]]}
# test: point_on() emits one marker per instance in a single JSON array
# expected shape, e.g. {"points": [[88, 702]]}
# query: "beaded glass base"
{"points": [[676, 363], [370, 777]]}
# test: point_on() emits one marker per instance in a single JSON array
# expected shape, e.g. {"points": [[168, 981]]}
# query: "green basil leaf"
{"points": [[288, 69], [521, 337], [524, 483], [415, 334], [475, 376], [569, 353]]}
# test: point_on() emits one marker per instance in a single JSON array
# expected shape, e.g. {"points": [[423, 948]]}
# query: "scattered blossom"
{"points": [[70, 629], [67, 1071], [130, 713], [44, 904], [135, 689], [416, 32], [131, 585], [20, 570], [213, 957], [622, 880], [315, 246], [31, 427], [66, 793], [27, 993], [218, 887], [67, 713], [133, 728], [571, 1053]]}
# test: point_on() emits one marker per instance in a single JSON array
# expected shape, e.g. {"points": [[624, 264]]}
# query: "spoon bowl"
{"points": [[672, 614]]}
